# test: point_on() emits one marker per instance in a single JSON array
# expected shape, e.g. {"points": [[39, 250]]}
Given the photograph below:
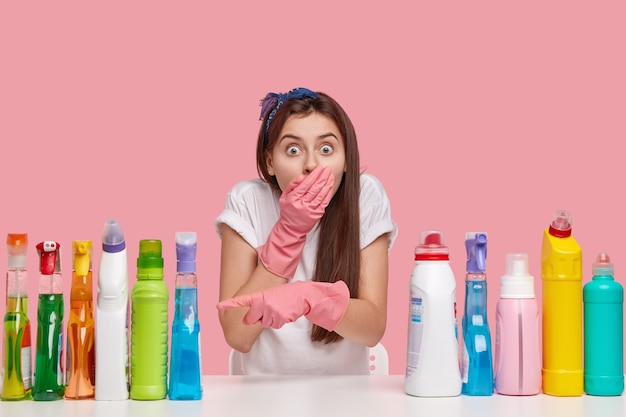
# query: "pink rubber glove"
{"points": [[322, 303], [302, 204]]}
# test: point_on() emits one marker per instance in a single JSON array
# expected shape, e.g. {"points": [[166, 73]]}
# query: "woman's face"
{"points": [[305, 142]]}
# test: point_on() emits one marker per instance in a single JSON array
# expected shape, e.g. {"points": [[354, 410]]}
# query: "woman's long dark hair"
{"points": [[338, 251]]}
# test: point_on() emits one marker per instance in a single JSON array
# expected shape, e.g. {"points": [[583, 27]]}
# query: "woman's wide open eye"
{"points": [[326, 149], [293, 150]]}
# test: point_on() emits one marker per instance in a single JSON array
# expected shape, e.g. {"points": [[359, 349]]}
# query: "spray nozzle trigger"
{"points": [[476, 246], [49, 259]]}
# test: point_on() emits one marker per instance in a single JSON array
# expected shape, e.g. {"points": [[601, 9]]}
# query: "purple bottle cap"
{"points": [[186, 243], [113, 237]]}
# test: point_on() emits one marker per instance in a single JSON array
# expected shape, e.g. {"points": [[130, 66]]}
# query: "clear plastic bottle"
{"points": [[112, 316], [477, 363], [49, 382], [603, 299], [149, 325], [517, 360], [432, 366], [185, 363], [561, 275], [81, 351], [16, 352]]}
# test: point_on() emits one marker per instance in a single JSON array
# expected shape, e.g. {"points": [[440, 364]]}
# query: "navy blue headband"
{"points": [[273, 101]]}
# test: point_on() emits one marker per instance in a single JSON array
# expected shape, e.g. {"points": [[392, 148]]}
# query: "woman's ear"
{"points": [[269, 164]]}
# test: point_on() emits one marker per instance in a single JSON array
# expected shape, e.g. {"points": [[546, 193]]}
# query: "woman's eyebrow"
{"points": [[296, 137], [328, 135]]}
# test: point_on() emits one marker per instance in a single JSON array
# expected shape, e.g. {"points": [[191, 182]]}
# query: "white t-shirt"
{"points": [[251, 210]]}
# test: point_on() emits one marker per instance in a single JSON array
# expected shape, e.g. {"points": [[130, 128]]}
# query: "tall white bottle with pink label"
{"points": [[517, 369]]}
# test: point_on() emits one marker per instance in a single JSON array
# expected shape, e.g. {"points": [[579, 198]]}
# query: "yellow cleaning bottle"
{"points": [[561, 274]]}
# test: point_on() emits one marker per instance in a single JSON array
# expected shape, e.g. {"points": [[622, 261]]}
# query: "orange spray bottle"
{"points": [[81, 353]]}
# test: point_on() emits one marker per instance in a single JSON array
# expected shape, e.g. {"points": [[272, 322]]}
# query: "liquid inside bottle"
{"points": [[185, 366], [17, 379], [48, 383]]}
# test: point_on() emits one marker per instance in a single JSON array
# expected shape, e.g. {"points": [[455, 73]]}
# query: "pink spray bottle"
{"points": [[517, 357]]}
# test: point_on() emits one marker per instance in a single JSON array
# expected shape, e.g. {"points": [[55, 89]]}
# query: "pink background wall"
{"points": [[476, 116]]}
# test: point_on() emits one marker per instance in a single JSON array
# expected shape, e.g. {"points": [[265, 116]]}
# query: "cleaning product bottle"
{"points": [[185, 367], [81, 354], [16, 352], [48, 384], [518, 358], [603, 299], [561, 274], [112, 316], [149, 322], [477, 364], [432, 366]]}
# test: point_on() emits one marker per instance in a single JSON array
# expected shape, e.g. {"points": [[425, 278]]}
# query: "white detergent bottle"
{"points": [[112, 317], [432, 366]]}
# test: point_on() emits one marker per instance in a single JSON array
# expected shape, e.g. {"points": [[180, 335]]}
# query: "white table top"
{"points": [[302, 396]]}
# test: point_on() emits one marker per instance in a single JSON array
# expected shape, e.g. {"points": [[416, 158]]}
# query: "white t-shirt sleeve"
{"points": [[375, 212], [251, 210]]}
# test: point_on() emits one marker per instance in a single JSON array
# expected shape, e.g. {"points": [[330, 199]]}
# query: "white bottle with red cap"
{"points": [[432, 366]]}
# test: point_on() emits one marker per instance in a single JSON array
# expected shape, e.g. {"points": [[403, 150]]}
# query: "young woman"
{"points": [[304, 262]]}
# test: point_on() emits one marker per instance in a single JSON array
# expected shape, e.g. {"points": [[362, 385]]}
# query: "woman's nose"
{"points": [[310, 164]]}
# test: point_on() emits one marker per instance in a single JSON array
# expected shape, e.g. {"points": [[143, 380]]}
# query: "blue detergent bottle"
{"points": [[603, 300], [477, 362], [185, 360]]}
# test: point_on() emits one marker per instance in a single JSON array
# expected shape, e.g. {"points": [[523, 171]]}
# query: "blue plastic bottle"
{"points": [[185, 364], [477, 363], [603, 299]]}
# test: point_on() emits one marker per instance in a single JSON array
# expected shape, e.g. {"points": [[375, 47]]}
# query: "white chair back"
{"points": [[379, 360]]}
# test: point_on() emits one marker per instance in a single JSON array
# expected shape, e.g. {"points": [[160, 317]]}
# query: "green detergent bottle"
{"points": [[149, 325]]}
